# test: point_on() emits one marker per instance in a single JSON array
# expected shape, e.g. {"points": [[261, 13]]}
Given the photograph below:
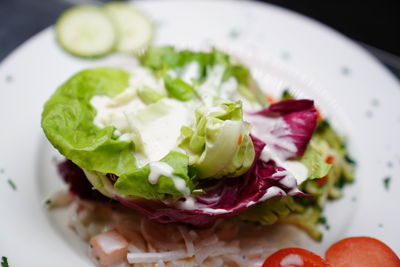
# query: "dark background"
{"points": [[374, 24]]}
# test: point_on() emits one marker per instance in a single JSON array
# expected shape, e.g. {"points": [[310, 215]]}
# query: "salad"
{"points": [[187, 138]]}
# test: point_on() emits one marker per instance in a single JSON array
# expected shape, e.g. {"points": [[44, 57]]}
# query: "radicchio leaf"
{"points": [[78, 184], [290, 138], [225, 198]]}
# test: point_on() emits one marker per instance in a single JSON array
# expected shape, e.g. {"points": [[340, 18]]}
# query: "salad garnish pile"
{"points": [[188, 137]]}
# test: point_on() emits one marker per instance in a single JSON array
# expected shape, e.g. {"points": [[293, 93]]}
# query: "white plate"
{"points": [[282, 48]]}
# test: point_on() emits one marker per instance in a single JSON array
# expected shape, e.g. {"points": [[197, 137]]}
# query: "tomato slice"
{"points": [[294, 257], [361, 252]]}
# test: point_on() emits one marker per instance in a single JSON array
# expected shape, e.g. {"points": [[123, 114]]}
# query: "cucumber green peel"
{"points": [[86, 31], [91, 31]]}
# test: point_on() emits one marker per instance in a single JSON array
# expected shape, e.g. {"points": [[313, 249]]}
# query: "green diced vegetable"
{"points": [[306, 221], [270, 211]]}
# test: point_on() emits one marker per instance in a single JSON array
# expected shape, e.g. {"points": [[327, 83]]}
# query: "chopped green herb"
{"points": [[354, 199], [349, 159], [97, 258], [322, 220], [285, 55], [345, 70], [9, 78], [375, 102], [389, 164], [11, 183], [234, 34], [48, 202], [4, 262], [386, 182], [1, 170], [380, 225], [287, 94]]}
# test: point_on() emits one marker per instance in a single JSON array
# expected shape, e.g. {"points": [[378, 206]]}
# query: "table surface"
{"points": [[21, 19]]}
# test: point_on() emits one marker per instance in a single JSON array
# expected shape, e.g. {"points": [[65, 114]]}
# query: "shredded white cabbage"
{"points": [[157, 245]]}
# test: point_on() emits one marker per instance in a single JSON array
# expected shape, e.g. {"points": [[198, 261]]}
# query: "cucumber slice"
{"points": [[134, 29], [86, 31]]}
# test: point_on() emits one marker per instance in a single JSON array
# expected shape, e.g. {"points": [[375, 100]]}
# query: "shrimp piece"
{"points": [[109, 248]]}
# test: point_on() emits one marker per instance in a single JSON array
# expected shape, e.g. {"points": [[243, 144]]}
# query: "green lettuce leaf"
{"points": [[178, 89], [148, 95], [315, 162], [67, 121], [218, 144], [164, 59], [136, 183]]}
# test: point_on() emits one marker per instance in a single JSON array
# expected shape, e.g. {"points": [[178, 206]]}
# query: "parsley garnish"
{"points": [[11, 183], [4, 262], [9, 78], [322, 220], [386, 182], [234, 34]]}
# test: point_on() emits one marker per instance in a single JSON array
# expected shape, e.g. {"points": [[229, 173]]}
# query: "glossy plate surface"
{"points": [[282, 48]]}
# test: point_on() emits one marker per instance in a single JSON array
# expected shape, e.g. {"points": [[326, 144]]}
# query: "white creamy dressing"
{"points": [[190, 203], [297, 169], [143, 77], [158, 169], [191, 72], [274, 132], [214, 86], [110, 114], [291, 260], [154, 128], [159, 126], [272, 192], [137, 121]]}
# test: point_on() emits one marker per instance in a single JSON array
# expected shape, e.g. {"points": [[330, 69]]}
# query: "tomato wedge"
{"points": [[361, 252], [294, 257]]}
